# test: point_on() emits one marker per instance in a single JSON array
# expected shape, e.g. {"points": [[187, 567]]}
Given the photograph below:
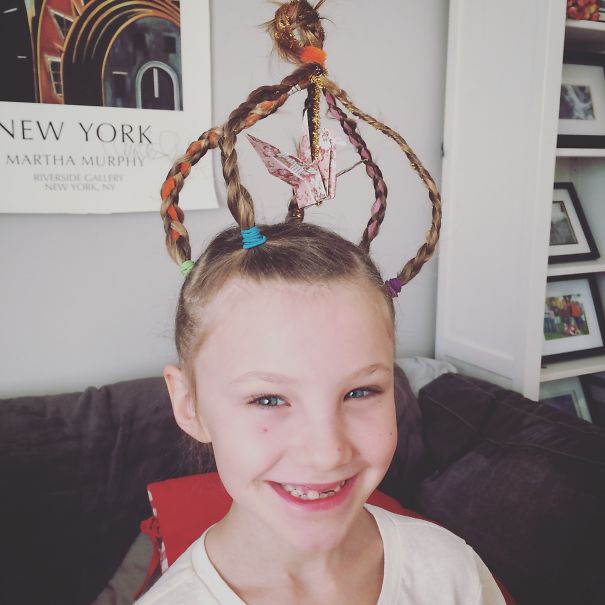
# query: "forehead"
{"points": [[309, 324]]}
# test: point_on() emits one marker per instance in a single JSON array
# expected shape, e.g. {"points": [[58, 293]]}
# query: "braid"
{"points": [[424, 253], [349, 127], [238, 197], [177, 237]]}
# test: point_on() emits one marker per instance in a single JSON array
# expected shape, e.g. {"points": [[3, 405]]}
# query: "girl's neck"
{"points": [[250, 557]]}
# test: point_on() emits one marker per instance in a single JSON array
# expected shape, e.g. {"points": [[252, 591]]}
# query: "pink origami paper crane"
{"points": [[313, 181]]}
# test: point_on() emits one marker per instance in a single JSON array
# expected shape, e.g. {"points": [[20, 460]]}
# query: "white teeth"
{"points": [[298, 492]]}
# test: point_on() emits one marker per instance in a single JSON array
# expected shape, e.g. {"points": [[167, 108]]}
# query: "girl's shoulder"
{"points": [[182, 583], [421, 542], [421, 554], [410, 525]]}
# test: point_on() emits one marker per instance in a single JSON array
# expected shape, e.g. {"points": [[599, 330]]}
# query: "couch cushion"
{"points": [[73, 471], [521, 482]]}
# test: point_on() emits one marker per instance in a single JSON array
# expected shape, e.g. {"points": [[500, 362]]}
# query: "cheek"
{"points": [[380, 437]]}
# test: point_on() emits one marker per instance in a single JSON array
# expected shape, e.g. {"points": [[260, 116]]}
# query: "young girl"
{"points": [[285, 336]]}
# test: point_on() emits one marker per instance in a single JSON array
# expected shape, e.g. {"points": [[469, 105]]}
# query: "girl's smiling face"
{"points": [[294, 388]]}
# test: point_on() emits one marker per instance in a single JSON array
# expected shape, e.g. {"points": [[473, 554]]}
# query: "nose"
{"points": [[324, 443]]}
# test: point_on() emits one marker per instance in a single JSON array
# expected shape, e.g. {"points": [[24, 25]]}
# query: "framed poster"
{"points": [[99, 98]]}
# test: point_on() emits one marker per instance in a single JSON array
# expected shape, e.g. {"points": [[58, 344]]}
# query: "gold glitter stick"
{"points": [[314, 93]]}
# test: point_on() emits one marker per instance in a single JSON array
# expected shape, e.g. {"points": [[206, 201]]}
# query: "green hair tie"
{"points": [[186, 267]]}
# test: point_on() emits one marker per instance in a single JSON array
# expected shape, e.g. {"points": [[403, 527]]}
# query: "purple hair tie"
{"points": [[394, 286]]}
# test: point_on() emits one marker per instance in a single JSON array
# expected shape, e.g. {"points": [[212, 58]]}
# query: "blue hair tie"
{"points": [[252, 237]]}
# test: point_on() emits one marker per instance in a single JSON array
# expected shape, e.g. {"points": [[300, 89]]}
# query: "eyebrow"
{"points": [[265, 376], [276, 377]]}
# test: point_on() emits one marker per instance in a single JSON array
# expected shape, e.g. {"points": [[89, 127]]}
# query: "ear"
{"points": [[184, 404]]}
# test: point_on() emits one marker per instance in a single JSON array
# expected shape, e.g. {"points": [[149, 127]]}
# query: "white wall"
{"points": [[88, 300]]}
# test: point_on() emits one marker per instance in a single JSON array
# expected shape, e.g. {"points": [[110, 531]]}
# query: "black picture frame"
{"points": [[585, 247], [590, 133], [593, 386], [560, 343]]}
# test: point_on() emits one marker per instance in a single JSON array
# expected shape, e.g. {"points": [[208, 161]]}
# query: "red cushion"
{"points": [[185, 507]]}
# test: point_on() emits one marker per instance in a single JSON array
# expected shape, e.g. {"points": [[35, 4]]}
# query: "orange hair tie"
{"points": [[313, 54]]}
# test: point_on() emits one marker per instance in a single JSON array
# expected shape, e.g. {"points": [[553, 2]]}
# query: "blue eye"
{"points": [[359, 393], [268, 401]]}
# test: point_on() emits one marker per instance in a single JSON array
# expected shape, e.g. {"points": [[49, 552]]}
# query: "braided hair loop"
{"points": [[299, 38]]}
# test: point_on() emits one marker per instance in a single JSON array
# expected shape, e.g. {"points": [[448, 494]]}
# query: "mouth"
{"points": [[315, 497], [313, 492]]}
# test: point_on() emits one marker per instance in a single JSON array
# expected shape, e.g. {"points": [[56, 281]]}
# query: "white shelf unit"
{"points": [[571, 152], [500, 163], [573, 367]]}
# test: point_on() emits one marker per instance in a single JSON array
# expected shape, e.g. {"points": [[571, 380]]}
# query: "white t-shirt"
{"points": [[424, 564]]}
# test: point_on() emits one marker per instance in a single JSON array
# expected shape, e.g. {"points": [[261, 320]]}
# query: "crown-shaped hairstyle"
{"points": [[298, 37]]}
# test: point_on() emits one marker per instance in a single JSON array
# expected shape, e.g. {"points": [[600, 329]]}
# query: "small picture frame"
{"points": [[582, 101], [570, 237], [573, 318], [567, 396], [594, 390]]}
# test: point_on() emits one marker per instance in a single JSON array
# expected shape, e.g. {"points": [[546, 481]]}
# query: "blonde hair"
{"points": [[294, 252]]}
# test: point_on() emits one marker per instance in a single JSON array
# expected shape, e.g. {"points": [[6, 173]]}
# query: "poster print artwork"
{"points": [[99, 97]]}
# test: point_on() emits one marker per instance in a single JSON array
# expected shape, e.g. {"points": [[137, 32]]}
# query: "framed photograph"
{"points": [[573, 318], [570, 235], [582, 101], [594, 389], [567, 396]]}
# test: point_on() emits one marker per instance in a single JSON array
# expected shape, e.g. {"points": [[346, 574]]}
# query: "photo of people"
{"points": [[576, 103], [561, 229], [564, 316]]}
